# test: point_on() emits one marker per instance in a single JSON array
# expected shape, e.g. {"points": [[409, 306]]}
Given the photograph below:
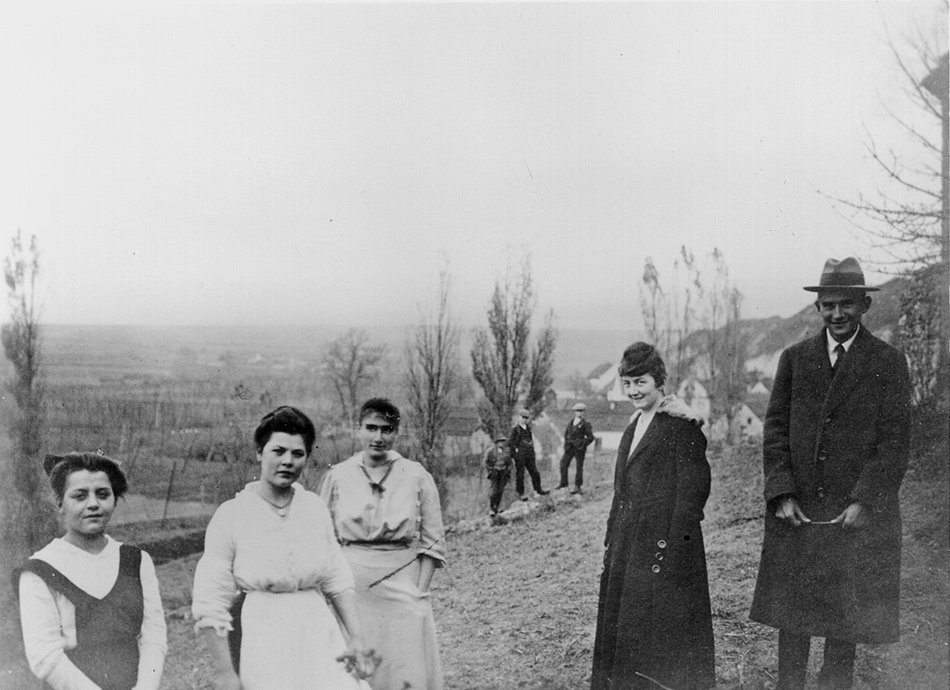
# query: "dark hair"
{"points": [[59, 467], [642, 358], [287, 420], [383, 407]]}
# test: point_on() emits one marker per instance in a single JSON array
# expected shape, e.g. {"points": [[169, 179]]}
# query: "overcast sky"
{"points": [[315, 164]]}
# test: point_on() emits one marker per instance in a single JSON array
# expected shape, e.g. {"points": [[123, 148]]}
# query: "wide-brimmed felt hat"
{"points": [[579, 407], [841, 275], [500, 438], [524, 412]]}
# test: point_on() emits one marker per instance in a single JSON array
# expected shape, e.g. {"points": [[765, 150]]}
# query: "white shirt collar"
{"points": [[831, 343]]}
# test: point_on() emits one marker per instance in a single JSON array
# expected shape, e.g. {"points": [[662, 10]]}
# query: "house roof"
{"points": [[599, 370], [758, 403]]}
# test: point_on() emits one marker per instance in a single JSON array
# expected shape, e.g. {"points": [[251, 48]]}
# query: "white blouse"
{"points": [[643, 423], [49, 619], [249, 546], [406, 511]]}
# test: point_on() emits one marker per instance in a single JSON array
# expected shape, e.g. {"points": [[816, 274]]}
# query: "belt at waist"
{"points": [[382, 545]]}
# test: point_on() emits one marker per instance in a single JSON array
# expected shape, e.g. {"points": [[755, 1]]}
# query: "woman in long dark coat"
{"points": [[654, 623]]}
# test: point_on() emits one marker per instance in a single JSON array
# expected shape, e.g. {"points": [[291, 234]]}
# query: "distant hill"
{"points": [[768, 337], [87, 354]]}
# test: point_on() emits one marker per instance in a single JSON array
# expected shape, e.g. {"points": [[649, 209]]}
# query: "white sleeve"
{"points": [[43, 641], [214, 587], [431, 532], [339, 576], [153, 643]]}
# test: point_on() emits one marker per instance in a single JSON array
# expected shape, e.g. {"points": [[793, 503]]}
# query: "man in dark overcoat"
{"points": [[521, 445], [577, 437], [834, 453]]}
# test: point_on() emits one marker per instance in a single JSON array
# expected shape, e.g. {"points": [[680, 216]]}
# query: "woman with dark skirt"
{"points": [[654, 625], [89, 606]]}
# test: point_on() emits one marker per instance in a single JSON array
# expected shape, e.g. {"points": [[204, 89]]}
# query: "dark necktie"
{"points": [[839, 352]]}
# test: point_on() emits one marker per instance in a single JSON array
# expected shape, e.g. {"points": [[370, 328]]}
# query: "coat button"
{"points": [[655, 569], [658, 556], [661, 543], [821, 492], [822, 455]]}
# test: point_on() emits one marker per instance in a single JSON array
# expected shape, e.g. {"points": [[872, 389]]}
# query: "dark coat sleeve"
{"points": [[777, 460], [588, 433], [693, 480], [881, 476]]}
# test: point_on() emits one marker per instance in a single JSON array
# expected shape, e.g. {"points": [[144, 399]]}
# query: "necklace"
{"points": [[281, 510]]}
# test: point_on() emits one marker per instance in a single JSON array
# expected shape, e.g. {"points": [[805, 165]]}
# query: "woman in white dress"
{"points": [[386, 515], [274, 541], [90, 608]]}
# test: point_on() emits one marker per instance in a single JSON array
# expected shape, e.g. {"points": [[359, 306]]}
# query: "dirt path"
{"points": [[517, 606]]}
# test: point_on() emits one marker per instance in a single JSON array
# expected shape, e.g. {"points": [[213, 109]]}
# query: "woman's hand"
{"points": [[426, 571], [226, 679], [359, 663]]}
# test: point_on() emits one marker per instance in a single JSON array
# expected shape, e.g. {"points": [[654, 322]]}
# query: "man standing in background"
{"points": [[577, 437], [521, 445]]}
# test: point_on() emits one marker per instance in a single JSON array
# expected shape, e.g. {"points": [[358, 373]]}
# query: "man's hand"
{"points": [[853, 517], [789, 511]]}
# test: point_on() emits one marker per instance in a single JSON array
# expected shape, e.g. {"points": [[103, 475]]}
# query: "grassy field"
{"points": [[516, 606]]}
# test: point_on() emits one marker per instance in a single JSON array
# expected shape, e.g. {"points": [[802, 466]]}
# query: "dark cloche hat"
{"points": [[841, 275]]}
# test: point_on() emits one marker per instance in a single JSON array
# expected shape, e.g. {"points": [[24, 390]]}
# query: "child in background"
{"points": [[498, 462]]}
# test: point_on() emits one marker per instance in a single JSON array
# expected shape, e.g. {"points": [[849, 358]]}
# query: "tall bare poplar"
{"points": [[27, 518], [431, 376], [505, 363], [21, 338]]}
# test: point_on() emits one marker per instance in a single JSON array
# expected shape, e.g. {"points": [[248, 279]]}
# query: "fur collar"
{"points": [[675, 407]]}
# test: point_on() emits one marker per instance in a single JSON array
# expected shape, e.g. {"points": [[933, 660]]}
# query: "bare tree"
{"points": [[27, 517], [21, 339], [504, 363], [905, 220], [903, 217], [351, 364], [541, 369], [431, 376], [669, 313], [724, 342], [696, 324]]}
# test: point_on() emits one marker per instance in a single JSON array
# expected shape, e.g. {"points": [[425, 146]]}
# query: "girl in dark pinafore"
{"points": [[89, 606]]}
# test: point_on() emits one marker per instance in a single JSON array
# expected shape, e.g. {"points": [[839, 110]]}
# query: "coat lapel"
{"points": [[819, 369], [648, 439], [854, 363]]}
